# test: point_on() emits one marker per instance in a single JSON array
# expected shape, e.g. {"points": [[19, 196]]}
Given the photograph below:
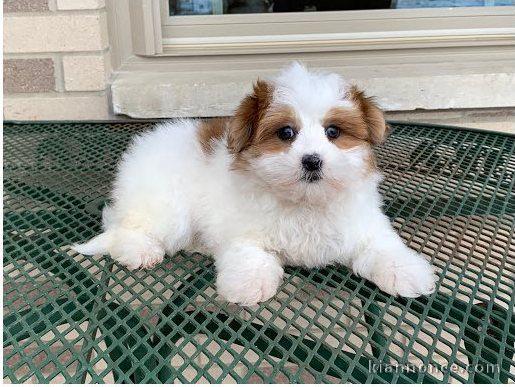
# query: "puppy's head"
{"points": [[306, 136]]}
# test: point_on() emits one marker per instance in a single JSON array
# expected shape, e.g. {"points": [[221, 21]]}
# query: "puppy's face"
{"points": [[306, 136]]}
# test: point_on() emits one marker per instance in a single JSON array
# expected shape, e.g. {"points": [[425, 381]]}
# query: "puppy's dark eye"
{"points": [[332, 132], [286, 133]]}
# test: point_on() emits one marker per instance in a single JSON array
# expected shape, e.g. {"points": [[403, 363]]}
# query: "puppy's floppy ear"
{"points": [[372, 116], [246, 118]]}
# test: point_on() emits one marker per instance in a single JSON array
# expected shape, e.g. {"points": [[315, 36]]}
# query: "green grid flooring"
{"points": [[448, 191]]}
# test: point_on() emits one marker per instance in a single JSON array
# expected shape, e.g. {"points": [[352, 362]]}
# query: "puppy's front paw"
{"points": [[249, 282], [407, 275], [249, 289]]}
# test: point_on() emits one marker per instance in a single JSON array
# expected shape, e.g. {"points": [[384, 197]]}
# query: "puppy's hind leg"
{"points": [[132, 248], [136, 249], [139, 237], [144, 244]]}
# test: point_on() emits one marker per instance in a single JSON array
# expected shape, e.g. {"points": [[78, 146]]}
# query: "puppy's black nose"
{"points": [[312, 162]]}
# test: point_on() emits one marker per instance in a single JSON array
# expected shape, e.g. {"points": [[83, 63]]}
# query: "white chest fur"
{"points": [[306, 236]]}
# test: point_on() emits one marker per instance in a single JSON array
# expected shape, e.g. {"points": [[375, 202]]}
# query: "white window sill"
{"points": [[159, 93]]}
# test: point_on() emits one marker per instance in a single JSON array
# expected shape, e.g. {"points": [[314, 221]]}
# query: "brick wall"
{"points": [[56, 60]]}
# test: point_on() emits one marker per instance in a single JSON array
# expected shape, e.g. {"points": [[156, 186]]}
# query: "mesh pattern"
{"points": [[80, 319]]}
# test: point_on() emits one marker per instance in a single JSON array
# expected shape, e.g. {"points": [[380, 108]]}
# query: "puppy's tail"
{"points": [[97, 245]]}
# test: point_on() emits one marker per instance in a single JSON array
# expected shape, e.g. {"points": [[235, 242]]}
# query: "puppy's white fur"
{"points": [[169, 195]]}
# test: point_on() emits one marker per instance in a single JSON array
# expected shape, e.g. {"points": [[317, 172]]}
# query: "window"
{"points": [[219, 7], [205, 27], [187, 54]]}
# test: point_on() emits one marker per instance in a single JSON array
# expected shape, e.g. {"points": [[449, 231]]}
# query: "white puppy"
{"points": [[290, 179]]}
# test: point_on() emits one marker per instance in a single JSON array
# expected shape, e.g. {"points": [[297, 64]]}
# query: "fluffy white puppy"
{"points": [[290, 179]]}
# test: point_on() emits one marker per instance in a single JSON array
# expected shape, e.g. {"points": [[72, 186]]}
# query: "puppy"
{"points": [[290, 179]]}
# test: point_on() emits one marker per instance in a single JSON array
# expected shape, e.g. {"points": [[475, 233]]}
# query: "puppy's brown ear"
{"points": [[246, 118], [372, 116]]}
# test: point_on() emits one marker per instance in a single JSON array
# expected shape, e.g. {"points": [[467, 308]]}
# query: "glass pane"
{"points": [[218, 7]]}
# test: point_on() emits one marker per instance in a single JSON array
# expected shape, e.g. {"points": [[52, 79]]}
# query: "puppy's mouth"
{"points": [[311, 177]]}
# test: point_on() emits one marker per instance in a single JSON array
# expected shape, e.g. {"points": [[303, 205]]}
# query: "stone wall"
{"points": [[57, 65], [56, 60]]}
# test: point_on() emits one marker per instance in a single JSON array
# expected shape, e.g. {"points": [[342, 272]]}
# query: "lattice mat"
{"points": [[77, 319]]}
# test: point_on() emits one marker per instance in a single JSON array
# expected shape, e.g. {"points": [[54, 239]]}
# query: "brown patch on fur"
{"points": [[354, 132], [253, 129], [251, 110], [209, 131], [372, 115], [353, 128], [265, 138]]}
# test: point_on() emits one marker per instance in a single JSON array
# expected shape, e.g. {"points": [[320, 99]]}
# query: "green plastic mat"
{"points": [[448, 191]]}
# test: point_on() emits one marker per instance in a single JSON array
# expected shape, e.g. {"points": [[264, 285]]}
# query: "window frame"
{"points": [[153, 79], [157, 33]]}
